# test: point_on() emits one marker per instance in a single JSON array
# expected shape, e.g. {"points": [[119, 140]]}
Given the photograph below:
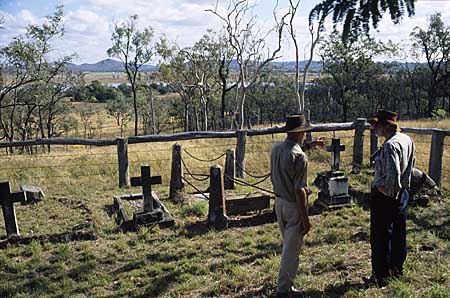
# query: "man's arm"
{"points": [[320, 142], [302, 204]]}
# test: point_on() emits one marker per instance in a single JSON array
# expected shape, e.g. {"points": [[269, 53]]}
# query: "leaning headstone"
{"points": [[7, 200], [423, 188]]}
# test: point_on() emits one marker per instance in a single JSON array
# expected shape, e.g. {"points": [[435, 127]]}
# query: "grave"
{"points": [[34, 194], [333, 184], [243, 204], [7, 200], [154, 211]]}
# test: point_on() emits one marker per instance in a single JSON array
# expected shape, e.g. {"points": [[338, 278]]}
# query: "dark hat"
{"points": [[296, 123], [383, 117]]}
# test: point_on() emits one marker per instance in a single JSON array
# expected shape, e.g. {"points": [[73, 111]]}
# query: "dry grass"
{"points": [[189, 260]]}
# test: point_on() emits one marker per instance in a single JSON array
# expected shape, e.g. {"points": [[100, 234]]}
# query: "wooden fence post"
{"points": [[358, 145], [436, 152], [217, 218], [373, 143], [176, 174], [122, 156], [230, 169], [240, 153]]}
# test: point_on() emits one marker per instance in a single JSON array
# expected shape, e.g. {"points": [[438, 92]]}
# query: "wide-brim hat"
{"points": [[383, 117], [296, 123]]}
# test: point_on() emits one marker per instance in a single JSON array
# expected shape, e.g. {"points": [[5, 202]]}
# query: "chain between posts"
{"points": [[254, 185], [193, 174], [194, 187], [252, 175], [203, 160]]}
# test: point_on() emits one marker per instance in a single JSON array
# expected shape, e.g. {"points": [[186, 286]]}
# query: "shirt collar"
{"points": [[289, 141], [391, 136]]}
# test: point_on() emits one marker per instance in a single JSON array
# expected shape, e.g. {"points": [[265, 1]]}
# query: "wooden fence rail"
{"points": [[359, 126]]}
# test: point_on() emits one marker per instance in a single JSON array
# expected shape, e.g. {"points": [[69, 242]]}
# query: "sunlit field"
{"points": [[189, 260]]}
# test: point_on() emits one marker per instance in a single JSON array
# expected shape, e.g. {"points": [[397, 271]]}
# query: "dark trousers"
{"points": [[388, 234]]}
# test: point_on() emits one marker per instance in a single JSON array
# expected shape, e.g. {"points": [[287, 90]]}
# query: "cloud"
{"points": [[86, 33], [88, 23]]}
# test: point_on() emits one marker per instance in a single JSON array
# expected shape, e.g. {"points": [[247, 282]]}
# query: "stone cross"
{"points": [[7, 200], [335, 150], [146, 181]]}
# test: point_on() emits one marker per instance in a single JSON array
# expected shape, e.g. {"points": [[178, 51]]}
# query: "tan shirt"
{"points": [[288, 169]]}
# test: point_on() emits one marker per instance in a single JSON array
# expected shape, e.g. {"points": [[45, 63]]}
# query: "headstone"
{"points": [[7, 200], [150, 214], [335, 148], [333, 184], [217, 218], [33, 194]]}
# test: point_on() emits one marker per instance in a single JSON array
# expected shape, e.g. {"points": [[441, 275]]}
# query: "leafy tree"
{"points": [[356, 15], [32, 84], [350, 64], [177, 72], [134, 49], [434, 44], [119, 108]]}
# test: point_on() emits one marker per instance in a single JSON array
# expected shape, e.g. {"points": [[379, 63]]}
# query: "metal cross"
{"points": [[335, 148], [7, 200], [146, 181]]}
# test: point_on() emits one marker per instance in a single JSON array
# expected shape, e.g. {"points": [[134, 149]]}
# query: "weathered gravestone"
{"points": [[154, 212], [34, 194], [217, 218], [333, 184], [423, 188], [7, 200]]}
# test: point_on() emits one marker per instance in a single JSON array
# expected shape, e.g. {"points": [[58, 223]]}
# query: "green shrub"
{"points": [[198, 209]]}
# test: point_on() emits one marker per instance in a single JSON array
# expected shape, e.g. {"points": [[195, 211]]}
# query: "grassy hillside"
{"points": [[188, 260]]}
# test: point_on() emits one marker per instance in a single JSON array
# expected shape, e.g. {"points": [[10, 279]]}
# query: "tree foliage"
{"points": [[356, 16], [134, 48]]}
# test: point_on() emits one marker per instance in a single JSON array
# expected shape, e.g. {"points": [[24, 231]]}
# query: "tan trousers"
{"points": [[288, 219]]}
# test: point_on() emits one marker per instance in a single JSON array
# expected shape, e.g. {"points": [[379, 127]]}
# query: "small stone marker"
{"points": [[146, 181], [335, 150], [33, 194], [7, 200]]}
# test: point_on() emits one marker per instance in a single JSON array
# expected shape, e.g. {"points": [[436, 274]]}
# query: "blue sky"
{"points": [[88, 23]]}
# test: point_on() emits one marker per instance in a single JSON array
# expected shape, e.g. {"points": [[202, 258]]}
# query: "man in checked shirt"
{"points": [[389, 200]]}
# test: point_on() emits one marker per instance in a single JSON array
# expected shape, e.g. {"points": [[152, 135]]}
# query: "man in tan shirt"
{"points": [[288, 169]]}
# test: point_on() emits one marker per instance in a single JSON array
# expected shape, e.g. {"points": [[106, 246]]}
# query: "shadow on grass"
{"points": [[201, 227], [440, 230], [252, 221], [334, 291], [361, 198]]}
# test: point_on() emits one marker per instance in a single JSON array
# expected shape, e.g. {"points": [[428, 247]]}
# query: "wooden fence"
{"points": [[359, 126]]}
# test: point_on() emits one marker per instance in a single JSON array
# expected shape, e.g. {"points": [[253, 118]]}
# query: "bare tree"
{"points": [[315, 36], [249, 45]]}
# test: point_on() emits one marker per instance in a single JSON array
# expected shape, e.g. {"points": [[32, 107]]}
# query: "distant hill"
{"points": [[107, 65], [110, 65], [315, 66]]}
